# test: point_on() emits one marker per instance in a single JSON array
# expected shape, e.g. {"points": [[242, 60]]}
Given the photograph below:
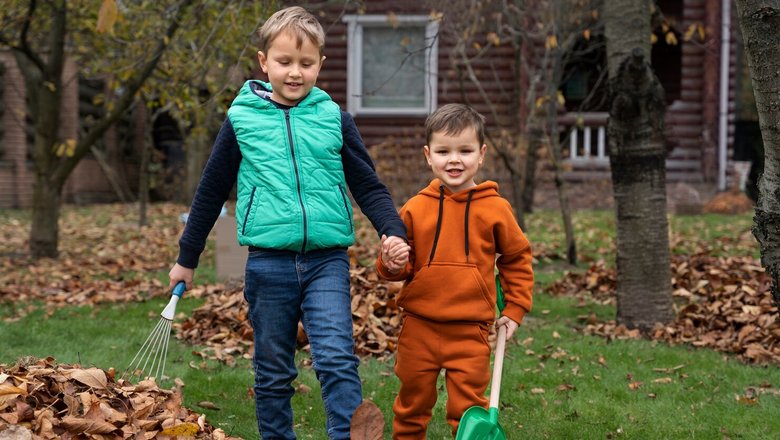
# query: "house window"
{"points": [[391, 64]]}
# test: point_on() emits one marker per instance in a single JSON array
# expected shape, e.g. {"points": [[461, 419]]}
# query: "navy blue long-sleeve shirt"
{"points": [[221, 171]]}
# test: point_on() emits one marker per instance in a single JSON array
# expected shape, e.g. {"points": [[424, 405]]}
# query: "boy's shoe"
{"points": [[368, 423]]}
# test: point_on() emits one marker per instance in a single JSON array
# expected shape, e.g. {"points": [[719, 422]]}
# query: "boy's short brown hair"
{"points": [[453, 119], [297, 21]]}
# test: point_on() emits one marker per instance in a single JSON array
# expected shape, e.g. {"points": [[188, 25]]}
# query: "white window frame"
{"points": [[355, 25]]}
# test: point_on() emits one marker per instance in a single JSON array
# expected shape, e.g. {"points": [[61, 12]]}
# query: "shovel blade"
{"points": [[477, 424]]}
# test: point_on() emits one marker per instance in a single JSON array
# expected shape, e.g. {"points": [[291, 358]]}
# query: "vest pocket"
{"points": [[347, 210], [449, 292], [248, 210]]}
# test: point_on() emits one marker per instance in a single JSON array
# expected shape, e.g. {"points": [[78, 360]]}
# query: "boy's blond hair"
{"points": [[452, 119], [297, 21]]}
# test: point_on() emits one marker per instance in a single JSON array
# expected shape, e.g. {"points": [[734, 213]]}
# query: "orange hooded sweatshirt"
{"points": [[455, 238]]}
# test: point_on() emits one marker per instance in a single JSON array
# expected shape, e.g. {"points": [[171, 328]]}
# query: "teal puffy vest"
{"points": [[292, 194]]}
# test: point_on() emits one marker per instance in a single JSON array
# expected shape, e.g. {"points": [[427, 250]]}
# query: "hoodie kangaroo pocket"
{"points": [[449, 292]]}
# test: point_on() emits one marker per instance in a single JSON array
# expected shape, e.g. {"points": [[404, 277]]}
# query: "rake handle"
{"points": [[498, 366], [179, 289]]}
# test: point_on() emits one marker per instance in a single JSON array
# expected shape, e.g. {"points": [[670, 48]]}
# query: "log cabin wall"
{"points": [[16, 173], [395, 142], [86, 184]]}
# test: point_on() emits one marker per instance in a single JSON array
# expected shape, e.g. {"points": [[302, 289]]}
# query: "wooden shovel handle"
{"points": [[498, 366]]}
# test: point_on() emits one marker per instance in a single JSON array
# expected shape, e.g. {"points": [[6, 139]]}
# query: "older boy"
{"points": [[293, 153], [455, 228]]}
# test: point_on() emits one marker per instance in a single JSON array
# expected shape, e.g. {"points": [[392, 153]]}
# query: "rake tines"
{"points": [[150, 359], [153, 353]]}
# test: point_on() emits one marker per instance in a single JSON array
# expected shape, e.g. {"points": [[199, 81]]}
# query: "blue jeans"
{"points": [[282, 288]]}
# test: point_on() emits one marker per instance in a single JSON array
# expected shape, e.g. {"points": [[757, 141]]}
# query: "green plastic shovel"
{"points": [[478, 423]]}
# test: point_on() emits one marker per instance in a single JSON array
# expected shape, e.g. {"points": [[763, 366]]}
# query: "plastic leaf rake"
{"points": [[150, 359]]}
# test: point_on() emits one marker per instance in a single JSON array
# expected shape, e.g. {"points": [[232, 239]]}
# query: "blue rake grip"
{"points": [[179, 289]]}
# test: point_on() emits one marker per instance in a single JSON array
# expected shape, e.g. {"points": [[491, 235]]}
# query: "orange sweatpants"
{"points": [[424, 349]]}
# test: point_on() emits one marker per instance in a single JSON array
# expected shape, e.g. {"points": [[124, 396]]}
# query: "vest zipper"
{"points": [[297, 177]]}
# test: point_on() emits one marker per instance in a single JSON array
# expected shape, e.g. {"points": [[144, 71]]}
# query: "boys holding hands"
{"points": [[455, 228], [293, 153]]}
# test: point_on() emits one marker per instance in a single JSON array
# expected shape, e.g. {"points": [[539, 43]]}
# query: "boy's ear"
{"points": [[482, 152], [427, 152], [322, 61], [261, 58]]}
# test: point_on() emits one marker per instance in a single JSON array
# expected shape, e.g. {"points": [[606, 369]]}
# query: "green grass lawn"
{"points": [[558, 383]]}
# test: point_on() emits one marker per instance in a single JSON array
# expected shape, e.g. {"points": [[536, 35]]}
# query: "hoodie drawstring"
{"points": [[438, 225], [466, 227], [439, 221]]}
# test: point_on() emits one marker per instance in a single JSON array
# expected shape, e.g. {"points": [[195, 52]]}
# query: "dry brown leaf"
{"points": [[81, 425], [303, 389], [208, 405], [635, 385], [187, 429], [92, 377], [368, 423]]}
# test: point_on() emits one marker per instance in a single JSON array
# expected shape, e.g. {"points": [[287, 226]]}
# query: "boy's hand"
{"points": [[395, 253], [180, 273], [511, 326]]}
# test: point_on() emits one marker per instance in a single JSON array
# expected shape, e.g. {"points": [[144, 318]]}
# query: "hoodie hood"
{"points": [[437, 190], [256, 93], [487, 188]]}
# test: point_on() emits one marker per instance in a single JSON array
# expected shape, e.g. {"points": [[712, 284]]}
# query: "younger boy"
{"points": [[455, 228], [293, 153]]}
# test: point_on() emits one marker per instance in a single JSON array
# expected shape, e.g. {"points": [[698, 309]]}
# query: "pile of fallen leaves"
{"points": [[45, 400], [733, 201], [723, 303], [100, 257], [222, 326]]}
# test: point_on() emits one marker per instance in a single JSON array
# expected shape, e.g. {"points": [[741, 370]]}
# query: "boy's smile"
{"points": [[455, 159], [292, 69]]}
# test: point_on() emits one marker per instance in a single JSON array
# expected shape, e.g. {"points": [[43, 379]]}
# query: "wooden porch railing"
{"points": [[587, 137]]}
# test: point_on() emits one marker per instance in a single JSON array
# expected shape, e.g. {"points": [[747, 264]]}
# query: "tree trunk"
{"points": [[516, 181], [54, 162], [43, 82], [555, 70], [560, 185], [518, 203], [46, 213], [760, 24], [535, 135], [638, 166]]}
